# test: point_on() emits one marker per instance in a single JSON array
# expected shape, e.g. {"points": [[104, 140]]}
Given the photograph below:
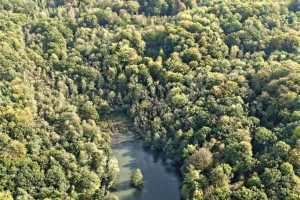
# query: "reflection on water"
{"points": [[160, 182]]}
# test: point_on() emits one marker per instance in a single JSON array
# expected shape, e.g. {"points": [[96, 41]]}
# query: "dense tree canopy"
{"points": [[214, 85]]}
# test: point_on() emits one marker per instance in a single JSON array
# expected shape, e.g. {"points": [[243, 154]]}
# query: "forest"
{"points": [[214, 85]]}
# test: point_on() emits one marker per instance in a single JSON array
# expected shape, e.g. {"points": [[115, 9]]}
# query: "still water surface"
{"points": [[160, 181]]}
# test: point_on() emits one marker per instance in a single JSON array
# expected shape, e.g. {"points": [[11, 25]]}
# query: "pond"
{"points": [[160, 180]]}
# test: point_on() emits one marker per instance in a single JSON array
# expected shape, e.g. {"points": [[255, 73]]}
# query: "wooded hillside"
{"points": [[213, 84]]}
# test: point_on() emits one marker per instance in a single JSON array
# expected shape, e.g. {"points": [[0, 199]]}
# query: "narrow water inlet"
{"points": [[160, 181]]}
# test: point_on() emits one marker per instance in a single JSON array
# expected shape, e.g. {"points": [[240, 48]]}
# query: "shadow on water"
{"points": [[136, 194], [160, 180]]}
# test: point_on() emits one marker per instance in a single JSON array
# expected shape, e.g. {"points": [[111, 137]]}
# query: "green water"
{"points": [[160, 181]]}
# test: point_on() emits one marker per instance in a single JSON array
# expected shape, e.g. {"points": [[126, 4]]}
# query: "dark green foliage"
{"points": [[294, 5]]}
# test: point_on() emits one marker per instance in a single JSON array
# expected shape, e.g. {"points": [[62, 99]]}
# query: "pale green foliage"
{"points": [[201, 159], [137, 179]]}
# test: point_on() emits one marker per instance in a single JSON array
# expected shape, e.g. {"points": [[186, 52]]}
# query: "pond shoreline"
{"points": [[118, 138], [161, 179]]}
